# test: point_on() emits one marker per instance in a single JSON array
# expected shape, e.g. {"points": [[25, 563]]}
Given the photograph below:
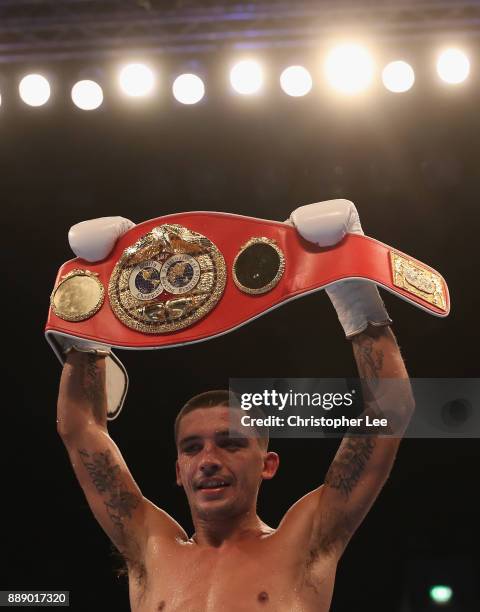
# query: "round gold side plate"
{"points": [[78, 296], [258, 266], [169, 279]]}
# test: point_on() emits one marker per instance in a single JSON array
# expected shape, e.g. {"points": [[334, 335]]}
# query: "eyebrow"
{"points": [[226, 433], [230, 433]]}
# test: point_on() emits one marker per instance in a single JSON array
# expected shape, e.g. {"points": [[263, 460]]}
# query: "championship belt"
{"points": [[188, 277]]}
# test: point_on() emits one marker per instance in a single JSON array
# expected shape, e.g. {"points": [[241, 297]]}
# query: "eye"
{"points": [[191, 449], [233, 444]]}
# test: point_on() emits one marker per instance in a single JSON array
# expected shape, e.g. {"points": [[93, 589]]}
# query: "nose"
{"points": [[209, 468], [209, 463]]}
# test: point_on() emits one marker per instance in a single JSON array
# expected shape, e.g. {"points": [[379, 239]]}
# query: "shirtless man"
{"points": [[234, 562]]}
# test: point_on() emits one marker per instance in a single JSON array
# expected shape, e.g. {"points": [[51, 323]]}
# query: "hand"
{"points": [[357, 302], [92, 241]]}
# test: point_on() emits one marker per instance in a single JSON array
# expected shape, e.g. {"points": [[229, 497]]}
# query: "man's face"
{"points": [[221, 474]]}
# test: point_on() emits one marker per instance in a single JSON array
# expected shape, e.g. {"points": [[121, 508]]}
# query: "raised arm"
{"points": [[363, 462], [112, 494], [325, 519]]}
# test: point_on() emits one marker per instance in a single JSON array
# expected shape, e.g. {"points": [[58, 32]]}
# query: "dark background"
{"points": [[409, 162]]}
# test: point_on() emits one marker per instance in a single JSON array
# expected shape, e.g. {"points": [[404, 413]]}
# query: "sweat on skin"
{"points": [[223, 565]]}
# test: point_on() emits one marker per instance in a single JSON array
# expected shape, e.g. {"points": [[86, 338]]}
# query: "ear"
{"points": [[177, 472], [271, 461]]}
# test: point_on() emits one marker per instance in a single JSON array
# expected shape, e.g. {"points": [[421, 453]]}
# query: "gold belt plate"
{"points": [[78, 295], [417, 280], [169, 279]]}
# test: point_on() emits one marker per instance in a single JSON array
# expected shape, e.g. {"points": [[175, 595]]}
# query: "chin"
{"points": [[219, 508]]}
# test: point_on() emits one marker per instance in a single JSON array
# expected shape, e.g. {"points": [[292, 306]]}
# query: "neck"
{"points": [[217, 531]]}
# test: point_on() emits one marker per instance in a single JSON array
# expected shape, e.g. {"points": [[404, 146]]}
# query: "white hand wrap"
{"points": [[357, 302], [93, 240]]}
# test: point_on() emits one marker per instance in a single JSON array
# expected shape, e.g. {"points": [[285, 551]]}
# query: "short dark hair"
{"points": [[219, 398]]}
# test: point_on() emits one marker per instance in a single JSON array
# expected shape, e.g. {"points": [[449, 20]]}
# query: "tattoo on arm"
{"points": [[94, 388], [363, 460], [369, 359], [107, 479], [346, 470]]}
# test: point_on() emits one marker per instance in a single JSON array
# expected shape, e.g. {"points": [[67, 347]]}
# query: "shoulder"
{"points": [[302, 511], [313, 526], [160, 524], [296, 527], [161, 533], [298, 533]]}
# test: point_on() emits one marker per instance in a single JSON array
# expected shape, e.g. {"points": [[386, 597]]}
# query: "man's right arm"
{"points": [[112, 494]]}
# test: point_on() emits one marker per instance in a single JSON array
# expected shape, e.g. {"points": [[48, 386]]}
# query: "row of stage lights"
{"points": [[348, 69]]}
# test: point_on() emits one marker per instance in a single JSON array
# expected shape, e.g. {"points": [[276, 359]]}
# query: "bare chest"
{"points": [[237, 580]]}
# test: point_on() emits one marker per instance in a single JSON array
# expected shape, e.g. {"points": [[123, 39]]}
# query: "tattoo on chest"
{"points": [[346, 470], [106, 478]]}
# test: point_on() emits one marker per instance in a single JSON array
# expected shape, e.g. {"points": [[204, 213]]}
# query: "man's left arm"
{"points": [[363, 461]]}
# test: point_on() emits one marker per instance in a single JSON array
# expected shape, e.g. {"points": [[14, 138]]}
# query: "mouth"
{"points": [[212, 486]]}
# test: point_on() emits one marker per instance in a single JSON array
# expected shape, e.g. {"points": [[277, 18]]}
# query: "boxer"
{"points": [[233, 561]]}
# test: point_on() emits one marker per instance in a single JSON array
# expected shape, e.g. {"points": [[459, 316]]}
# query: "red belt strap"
{"points": [[307, 268]]}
